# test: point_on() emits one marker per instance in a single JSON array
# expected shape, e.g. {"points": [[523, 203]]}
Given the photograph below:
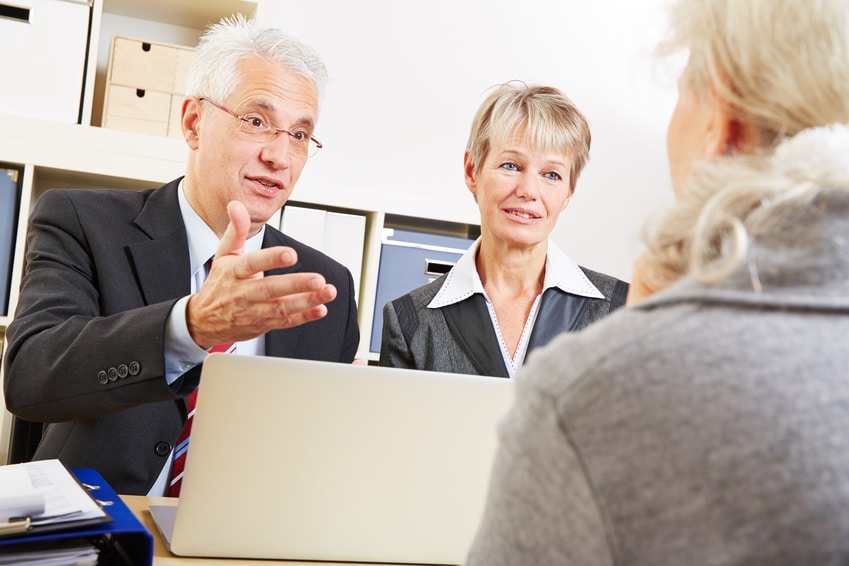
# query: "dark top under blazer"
{"points": [[86, 352], [460, 338]]}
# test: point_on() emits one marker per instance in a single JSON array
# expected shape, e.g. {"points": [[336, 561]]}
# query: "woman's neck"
{"points": [[510, 270]]}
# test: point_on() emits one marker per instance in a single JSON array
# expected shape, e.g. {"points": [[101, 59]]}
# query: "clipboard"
{"points": [[121, 536]]}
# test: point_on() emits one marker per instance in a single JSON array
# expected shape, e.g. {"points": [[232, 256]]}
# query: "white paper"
{"points": [[64, 498]]}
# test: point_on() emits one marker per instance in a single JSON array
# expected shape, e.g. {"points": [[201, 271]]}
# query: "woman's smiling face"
{"points": [[520, 191]]}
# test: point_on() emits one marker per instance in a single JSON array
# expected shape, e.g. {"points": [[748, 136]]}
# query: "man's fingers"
{"points": [[264, 260], [255, 310], [305, 307], [289, 286], [302, 317], [233, 240], [284, 312]]}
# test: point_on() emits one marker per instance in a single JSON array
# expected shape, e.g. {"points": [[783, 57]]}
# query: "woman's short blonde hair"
{"points": [[782, 66], [542, 115]]}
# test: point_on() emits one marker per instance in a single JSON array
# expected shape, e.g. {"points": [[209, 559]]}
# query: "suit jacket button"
{"points": [[112, 373], [162, 448], [134, 368], [102, 377], [123, 370]]}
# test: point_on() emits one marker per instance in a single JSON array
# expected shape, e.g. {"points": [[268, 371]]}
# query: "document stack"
{"points": [[50, 516]]}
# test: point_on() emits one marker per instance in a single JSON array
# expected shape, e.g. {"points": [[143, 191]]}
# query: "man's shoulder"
{"points": [[100, 198], [103, 207]]}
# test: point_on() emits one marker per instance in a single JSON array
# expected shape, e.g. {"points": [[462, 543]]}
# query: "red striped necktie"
{"points": [[182, 447]]}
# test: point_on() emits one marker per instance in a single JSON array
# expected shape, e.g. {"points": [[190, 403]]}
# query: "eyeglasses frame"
{"points": [[276, 130]]}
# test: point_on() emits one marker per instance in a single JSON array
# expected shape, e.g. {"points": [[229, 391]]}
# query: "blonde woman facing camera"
{"points": [[514, 290], [717, 434]]}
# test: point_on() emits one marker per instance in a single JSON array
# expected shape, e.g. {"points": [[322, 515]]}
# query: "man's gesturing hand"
{"points": [[237, 302]]}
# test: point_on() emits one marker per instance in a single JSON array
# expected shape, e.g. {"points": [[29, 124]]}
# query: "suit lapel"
{"points": [[162, 263], [470, 325], [558, 312], [282, 343]]}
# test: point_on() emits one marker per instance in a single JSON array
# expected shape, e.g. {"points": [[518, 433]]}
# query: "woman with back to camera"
{"points": [[514, 289], [717, 434]]}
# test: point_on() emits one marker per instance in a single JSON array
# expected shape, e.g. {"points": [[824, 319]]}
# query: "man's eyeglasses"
{"points": [[258, 130]]}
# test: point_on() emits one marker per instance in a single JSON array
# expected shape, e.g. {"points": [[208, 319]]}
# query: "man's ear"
{"points": [[190, 120], [470, 175]]}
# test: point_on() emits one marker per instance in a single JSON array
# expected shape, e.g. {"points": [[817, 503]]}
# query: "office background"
{"points": [[407, 77]]}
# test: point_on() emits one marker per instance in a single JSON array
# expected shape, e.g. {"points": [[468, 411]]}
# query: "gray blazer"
{"points": [[104, 269], [459, 338]]}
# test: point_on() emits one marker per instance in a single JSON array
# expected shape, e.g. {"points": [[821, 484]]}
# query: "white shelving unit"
{"points": [[87, 156]]}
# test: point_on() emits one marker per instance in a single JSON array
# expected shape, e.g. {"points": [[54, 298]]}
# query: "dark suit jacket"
{"points": [[460, 338], [85, 349]]}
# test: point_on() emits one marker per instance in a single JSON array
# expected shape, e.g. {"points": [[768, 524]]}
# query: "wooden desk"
{"points": [[140, 505]]}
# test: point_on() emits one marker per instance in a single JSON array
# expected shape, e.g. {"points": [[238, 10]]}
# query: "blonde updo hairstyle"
{"points": [[782, 67]]}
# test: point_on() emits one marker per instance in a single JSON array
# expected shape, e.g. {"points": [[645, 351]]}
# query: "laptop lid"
{"points": [[304, 460]]}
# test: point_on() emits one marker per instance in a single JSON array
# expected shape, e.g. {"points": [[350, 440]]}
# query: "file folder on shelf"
{"points": [[410, 259], [123, 540], [339, 235], [11, 178]]}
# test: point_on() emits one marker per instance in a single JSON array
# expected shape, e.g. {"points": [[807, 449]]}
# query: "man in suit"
{"points": [[119, 303]]}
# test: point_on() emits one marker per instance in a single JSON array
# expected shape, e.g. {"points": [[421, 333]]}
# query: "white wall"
{"points": [[407, 77]]}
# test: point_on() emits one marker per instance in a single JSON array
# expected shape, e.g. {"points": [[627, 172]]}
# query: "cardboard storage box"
{"points": [[145, 86], [43, 45], [138, 110]]}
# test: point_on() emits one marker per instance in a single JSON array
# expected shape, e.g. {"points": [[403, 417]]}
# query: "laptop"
{"points": [[305, 460]]}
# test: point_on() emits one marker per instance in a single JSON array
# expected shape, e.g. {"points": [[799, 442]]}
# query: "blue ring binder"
{"points": [[124, 537]]}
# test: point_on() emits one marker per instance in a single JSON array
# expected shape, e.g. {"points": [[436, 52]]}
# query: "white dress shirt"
{"points": [[181, 352], [463, 281]]}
